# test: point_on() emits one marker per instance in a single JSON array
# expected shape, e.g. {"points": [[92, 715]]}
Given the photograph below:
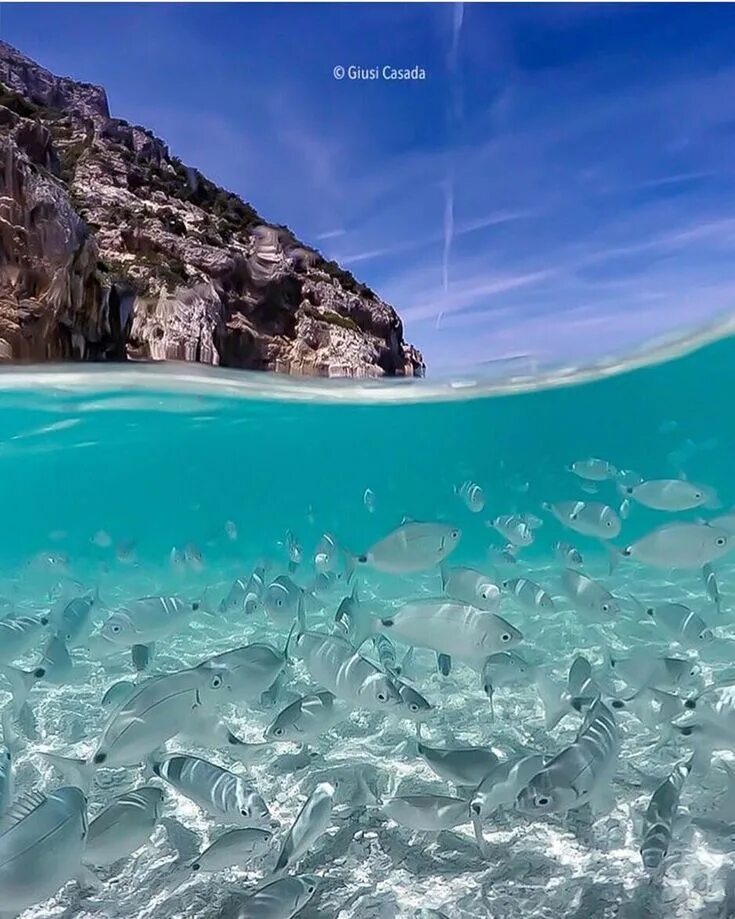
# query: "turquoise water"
{"points": [[148, 464]]}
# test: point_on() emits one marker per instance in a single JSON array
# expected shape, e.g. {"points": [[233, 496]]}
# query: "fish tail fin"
{"points": [[553, 699], [77, 772], [10, 735], [21, 684]]}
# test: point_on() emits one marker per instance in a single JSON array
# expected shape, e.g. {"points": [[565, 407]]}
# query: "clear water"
{"points": [[157, 461]]}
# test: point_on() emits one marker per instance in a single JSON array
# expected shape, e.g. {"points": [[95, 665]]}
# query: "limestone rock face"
{"points": [[111, 248]]}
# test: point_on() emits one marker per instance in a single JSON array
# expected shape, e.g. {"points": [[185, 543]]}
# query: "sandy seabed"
{"points": [[575, 866]]}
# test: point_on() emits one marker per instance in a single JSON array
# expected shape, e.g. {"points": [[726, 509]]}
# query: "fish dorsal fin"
{"points": [[20, 809]]}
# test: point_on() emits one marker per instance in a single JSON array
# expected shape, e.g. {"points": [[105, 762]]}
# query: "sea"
{"points": [[173, 481]]}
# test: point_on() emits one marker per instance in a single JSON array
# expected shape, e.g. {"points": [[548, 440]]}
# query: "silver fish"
{"points": [[126, 551], [207, 730], [147, 619], [724, 522], [711, 586], [412, 547], [334, 664], [627, 478], [429, 813], [101, 539], [593, 469], [624, 509], [502, 555], [234, 848], [193, 557], [231, 530], [589, 518], [56, 661], [73, 621], [281, 899], [234, 602], [514, 529], [118, 693], [588, 596], [284, 600], [330, 559], [505, 668], [531, 520], [658, 822], [219, 792], [155, 712], [679, 622], [311, 822], [580, 773], [451, 628], [644, 669], [306, 718], [463, 766], [18, 635], [250, 670], [294, 551], [472, 495], [368, 499], [254, 591], [123, 826], [414, 706], [500, 787], [41, 843], [176, 559], [580, 692], [352, 620], [568, 555], [681, 545], [467, 585], [528, 594], [672, 495]]}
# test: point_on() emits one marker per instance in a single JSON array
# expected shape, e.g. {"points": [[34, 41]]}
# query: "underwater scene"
{"points": [[300, 649]]}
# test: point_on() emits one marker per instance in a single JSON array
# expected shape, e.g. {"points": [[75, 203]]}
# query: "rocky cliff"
{"points": [[111, 248]]}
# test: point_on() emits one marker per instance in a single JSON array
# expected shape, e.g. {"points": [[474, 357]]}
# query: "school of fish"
{"points": [[422, 654]]}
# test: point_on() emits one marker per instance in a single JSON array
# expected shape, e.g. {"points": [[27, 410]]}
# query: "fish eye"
{"points": [[541, 801], [196, 866], [278, 732], [115, 629], [382, 697], [311, 888], [687, 732], [608, 523], [605, 607], [720, 541], [413, 707], [690, 704], [245, 811], [617, 703], [279, 602], [216, 681], [650, 611], [693, 671], [195, 605], [505, 636]]}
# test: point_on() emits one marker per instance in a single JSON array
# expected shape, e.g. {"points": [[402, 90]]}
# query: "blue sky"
{"points": [[561, 185]]}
